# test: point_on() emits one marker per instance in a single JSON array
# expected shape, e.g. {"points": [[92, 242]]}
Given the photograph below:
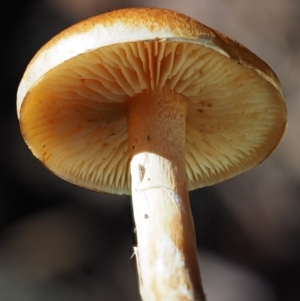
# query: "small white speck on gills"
{"points": [[167, 256]]}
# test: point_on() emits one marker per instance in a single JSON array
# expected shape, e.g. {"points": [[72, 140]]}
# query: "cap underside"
{"points": [[74, 119]]}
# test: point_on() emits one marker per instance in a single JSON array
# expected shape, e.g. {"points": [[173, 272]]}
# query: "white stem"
{"points": [[166, 252]]}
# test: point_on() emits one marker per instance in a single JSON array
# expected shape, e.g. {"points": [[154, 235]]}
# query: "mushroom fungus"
{"points": [[153, 101]]}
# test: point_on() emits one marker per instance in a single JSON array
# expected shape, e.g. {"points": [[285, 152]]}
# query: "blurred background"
{"points": [[61, 242]]}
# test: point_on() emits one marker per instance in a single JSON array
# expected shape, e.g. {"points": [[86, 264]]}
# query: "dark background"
{"points": [[61, 242]]}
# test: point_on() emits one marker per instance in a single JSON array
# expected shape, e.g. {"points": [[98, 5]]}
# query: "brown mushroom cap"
{"points": [[72, 98]]}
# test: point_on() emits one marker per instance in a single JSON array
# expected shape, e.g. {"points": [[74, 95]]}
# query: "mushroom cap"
{"points": [[71, 101]]}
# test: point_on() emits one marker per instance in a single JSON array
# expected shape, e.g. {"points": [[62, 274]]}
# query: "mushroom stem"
{"points": [[166, 252]]}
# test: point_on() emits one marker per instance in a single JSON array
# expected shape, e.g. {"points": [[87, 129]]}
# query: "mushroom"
{"points": [[153, 103]]}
